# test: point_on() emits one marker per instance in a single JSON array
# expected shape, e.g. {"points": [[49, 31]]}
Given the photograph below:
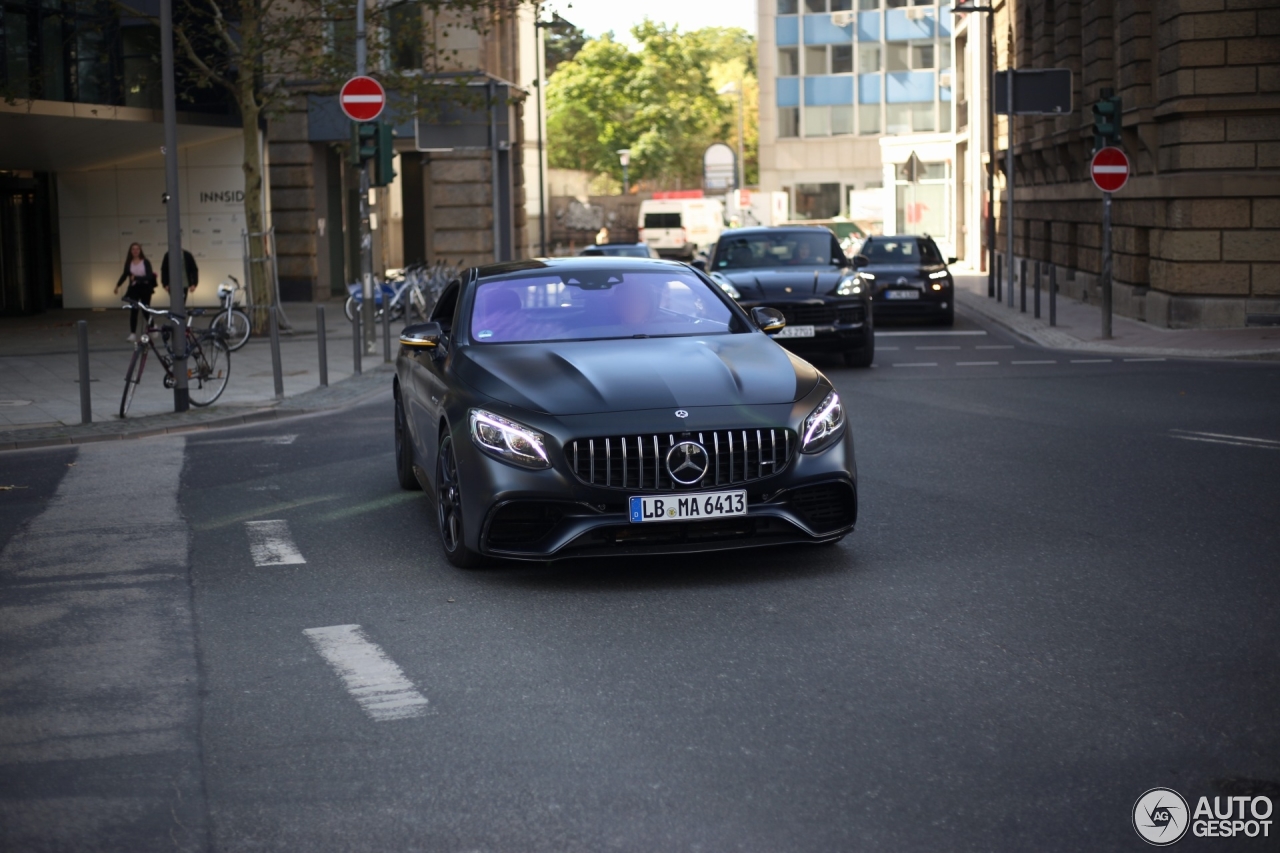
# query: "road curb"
{"points": [[349, 392]]}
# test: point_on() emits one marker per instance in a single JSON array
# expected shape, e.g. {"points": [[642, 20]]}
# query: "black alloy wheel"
{"points": [[449, 509], [404, 449], [862, 357]]}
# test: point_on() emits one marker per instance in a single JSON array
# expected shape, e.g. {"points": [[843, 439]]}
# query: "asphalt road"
{"points": [[1062, 592]]}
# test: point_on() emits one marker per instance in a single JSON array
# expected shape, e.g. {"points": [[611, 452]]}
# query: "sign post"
{"points": [[1110, 172], [363, 99]]}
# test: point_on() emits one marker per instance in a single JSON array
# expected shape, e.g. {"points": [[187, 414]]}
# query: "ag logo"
{"points": [[1160, 816]]}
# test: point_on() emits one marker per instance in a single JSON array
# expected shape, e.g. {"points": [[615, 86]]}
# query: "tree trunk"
{"points": [[261, 282]]}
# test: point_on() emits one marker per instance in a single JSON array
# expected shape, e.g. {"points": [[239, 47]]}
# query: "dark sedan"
{"points": [[907, 278], [802, 272], [593, 406]]}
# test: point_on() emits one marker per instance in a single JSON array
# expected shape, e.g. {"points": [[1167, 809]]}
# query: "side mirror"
{"points": [[951, 261], [768, 320], [861, 261], [421, 335], [699, 264]]}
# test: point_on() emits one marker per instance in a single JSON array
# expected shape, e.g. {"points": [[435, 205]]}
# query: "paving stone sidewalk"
{"points": [[1079, 327], [40, 391]]}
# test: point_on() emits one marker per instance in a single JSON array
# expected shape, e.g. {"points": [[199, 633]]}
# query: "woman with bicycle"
{"points": [[142, 284]]}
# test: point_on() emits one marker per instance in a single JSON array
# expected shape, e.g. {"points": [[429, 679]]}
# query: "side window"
{"points": [[446, 306], [837, 253]]}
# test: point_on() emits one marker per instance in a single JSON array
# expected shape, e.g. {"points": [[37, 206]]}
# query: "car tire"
{"points": [[862, 357], [404, 449], [949, 318], [449, 518]]}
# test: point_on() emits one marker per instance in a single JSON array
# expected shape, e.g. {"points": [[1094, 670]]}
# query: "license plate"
{"points": [[902, 294], [795, 332], [685, 507]]}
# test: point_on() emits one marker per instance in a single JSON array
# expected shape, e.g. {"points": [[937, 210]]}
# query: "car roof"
{"points": [[577, 263], [773, 229]]}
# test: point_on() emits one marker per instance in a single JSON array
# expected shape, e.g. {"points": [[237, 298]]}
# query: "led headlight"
{"points": [[938, 274], [726, 285], [508, 440], [823, 426], [849, 286]]}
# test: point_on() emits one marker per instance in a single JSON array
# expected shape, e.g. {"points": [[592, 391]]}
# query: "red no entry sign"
{"points": [[362, 98], [1110, 169]]}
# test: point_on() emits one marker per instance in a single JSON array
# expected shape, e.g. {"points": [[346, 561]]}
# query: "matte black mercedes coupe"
{"points": [[802, 272], [595, 406]]}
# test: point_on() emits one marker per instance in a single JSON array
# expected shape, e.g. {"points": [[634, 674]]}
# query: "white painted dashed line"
{"points": [[880, 334], [882, 348], [1144, 359], [1036, 361], [994, 346], [924, 348], [1223, 438], [1090, 361], [915, 364], [269, 439], [270, 543], [373, 679], [975, 363]]}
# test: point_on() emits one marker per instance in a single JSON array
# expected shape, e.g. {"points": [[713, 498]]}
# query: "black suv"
{"points": [[907, 277]]}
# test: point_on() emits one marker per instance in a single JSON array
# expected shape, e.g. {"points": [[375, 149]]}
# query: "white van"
{"points": [[680, 227]]}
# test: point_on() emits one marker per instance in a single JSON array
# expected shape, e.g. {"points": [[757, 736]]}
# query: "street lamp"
{"points": [[732, 88], [556, 23], [624, 157], [964, 8]]}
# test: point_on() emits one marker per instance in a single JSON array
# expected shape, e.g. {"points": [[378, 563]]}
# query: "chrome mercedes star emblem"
{"points": [[902, 280], [681, 413], [687, 462]]}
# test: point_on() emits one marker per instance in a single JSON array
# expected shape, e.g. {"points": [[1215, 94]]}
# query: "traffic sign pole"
{"points": [[366, 235], [1008, 179], [1110, 172]]}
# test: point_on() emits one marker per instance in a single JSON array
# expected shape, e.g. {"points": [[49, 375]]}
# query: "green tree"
{"points": [[659, 101]]}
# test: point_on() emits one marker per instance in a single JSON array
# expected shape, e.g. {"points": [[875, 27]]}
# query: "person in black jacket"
{"points": [[142, 283], [190, 272]]}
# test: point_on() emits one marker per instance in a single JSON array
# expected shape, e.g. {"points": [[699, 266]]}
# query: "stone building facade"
{"points": [[1196, 232]]}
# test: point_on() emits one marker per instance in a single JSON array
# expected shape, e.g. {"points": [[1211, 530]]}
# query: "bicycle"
{"points": [[231, 318], [208, 357]]}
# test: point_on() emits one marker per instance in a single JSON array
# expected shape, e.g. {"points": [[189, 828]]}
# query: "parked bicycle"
{"points": [[230, 318], [413, 289], [208, 357]]}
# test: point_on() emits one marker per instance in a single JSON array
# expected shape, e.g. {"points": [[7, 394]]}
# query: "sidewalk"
{"points": [[1079, 327], [40, 387]]}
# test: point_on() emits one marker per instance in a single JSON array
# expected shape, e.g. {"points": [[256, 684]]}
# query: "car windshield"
{"points": [[594, 304], [618, 251], [780, 249], [900, 250]]}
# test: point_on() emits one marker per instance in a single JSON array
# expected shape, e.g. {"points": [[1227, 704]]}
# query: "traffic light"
{"points": [[383, 173], [364, 142], [1106, 120]]}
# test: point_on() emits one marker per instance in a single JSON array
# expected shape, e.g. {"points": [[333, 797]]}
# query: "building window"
{"points": [[841, 5], [142, 86], [945, 52], [404, 37], [788, 62], [786, 7], [910, 118], [921, 55], [868, 58], [17, 48], [815, 6], [817, 201], [815, 61], [842, 120], [868, 118], [842, 59], [869, 5], [897, 57], [788, 122], [817, 121]]}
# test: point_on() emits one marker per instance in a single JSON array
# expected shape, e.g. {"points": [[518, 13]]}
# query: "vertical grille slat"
{"points": [[732, 459]]}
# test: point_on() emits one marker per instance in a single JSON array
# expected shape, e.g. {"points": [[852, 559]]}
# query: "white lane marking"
{"points": [[1264, 442], [880, 334], [1090, 361], [1222, 441], [1037, 361], [921, 348], [975, 363], [994, 346], [915, 364], [269, 439], [882, 349], [373, 679], [1144, 359], [270, 543]]}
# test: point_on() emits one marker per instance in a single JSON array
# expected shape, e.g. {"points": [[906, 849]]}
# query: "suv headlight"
{"points": [[726, 285], [823, 426], [849, 286], [509, 441]]}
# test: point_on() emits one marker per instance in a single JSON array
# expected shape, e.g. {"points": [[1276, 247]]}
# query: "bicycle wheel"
{"points": [[208, 369], [235, 326], [131, 379], [350, 309]]}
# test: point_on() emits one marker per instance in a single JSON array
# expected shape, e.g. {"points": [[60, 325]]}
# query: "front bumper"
{"points": [[520, 514], [929, 304], [838, 325]]}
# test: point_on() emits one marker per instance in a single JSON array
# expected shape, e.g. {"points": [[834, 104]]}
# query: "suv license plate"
{"points": [[902, 294], [795, 332], [685, 507]]}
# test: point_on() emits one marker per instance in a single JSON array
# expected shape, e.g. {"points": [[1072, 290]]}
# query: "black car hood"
{"points": [[773, 283], [585, 377]]}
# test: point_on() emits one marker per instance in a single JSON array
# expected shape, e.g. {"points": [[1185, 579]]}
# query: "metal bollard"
{"points": [[1037, 290], [386, 332], [82, 347], [323, 346], [355, 342], [276, 374], [1053, 295], [999, 278], [1022, 283]]}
